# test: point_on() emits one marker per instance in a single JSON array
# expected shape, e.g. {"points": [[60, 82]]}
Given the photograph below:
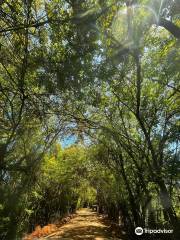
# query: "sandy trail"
{"points": [[87, 225]]}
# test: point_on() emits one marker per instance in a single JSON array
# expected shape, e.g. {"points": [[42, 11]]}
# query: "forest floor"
{"points": [[86, 225]]}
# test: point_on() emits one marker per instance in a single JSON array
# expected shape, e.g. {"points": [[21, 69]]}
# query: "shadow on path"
{"points": [[87, 225]]}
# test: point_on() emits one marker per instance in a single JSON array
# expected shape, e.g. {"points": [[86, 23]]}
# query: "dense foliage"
{"points": [[107, 73]]}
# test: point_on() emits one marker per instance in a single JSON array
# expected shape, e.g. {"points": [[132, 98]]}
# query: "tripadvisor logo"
{"points": [[140, 231]]}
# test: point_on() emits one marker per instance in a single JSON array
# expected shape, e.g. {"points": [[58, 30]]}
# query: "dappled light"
{"points": [[89, 119]]}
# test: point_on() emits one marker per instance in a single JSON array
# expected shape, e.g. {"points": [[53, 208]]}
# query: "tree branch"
{"points": [[170, 27]]}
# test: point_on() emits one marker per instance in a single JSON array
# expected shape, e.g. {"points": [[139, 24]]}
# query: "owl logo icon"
{"points": [[138, 231]]}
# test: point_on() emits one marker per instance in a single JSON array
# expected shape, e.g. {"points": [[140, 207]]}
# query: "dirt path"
{"points": [[87, 225]]}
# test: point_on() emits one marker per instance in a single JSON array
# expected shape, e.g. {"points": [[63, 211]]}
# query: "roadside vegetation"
{"points": [[106, 74]]}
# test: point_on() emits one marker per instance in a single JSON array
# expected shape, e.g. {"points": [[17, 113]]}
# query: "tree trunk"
{"points": [[166, 203], [170, 27]]}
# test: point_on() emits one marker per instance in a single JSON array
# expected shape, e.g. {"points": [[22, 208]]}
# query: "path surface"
{"points": [[87, 225]]}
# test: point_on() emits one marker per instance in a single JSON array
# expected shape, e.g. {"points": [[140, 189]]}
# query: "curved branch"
{"points": [[170, 27]]}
